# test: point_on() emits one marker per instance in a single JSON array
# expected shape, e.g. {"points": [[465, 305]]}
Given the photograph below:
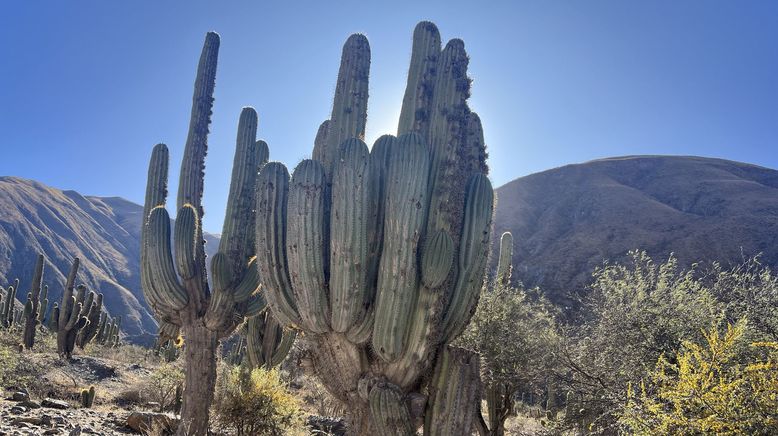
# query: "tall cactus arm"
{"points": [[272, 199], [348, 234], [473, 254], [406, 211], [349, 108], [159, 265], [186, 242], [190, 187], [448, 123], [377, 175], [68, 300], [505, 261], [190, 183], [320, 142], [417, 102], [250, 155], [156, 196], [306, 248]]}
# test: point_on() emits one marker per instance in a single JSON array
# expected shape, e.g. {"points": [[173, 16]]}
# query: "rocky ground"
{"points": [[56, 417]]}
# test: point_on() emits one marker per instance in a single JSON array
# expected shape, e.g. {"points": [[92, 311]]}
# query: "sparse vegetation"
{"points": [[162, 384]]}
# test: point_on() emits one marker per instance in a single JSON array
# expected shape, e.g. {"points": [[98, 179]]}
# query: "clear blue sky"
{"points": [[88, 87]]}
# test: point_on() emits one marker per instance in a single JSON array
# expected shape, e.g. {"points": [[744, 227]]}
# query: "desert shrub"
{"points": [[255, 402], [749, 291], [636, 312], [162, 384], [16, 370], [709, 390]]}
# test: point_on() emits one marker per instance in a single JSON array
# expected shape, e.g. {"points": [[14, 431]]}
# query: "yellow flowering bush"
{"points": [[710, 389]]}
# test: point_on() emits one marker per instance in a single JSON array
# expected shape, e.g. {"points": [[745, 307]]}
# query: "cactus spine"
{"points": [[32, 308], [379, 255], [176, 286]]}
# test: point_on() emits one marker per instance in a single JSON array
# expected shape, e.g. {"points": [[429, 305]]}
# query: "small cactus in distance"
{"points": [[87, 397], [9, 305], [72, 313], [32, 307]]}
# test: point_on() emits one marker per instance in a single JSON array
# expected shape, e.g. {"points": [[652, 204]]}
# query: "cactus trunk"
{"points": [[200, 373]]}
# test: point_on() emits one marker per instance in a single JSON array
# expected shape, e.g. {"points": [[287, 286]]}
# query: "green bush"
{"points": [[162, 384], [252, 402], [635, 313]]}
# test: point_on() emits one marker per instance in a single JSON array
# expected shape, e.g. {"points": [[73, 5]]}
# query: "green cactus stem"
{"points": [[72, 312], [9, 304], [32, 308], [267, 343], [93, 317], [88, 397]]}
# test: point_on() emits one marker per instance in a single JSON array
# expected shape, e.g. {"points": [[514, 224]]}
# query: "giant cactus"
{"points": [[175, 281], [379, 256], [32, 316]]}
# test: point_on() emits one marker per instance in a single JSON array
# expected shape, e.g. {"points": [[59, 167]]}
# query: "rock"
{"points": [[58, 420], [30, 404], [55, 404], [143, 422], [20, 396], [27, 420], [16, 410]]}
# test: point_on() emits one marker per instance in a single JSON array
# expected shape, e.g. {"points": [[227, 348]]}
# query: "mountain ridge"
{"points": [[568, 220]]}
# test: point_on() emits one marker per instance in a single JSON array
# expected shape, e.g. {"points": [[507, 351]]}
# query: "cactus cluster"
{"points": [[88, 397], [379, 254], [74, 314], [175, 281], [8, 311]]}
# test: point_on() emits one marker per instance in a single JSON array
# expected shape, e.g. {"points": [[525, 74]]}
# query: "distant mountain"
{"points": [[104, 232], [568, 220]]}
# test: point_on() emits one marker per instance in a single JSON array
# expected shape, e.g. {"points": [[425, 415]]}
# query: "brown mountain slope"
{"points": [[103, 232], [568, 220]]}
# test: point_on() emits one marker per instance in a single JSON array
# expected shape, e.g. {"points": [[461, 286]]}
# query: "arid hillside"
{"points": [[568, 220], [103, 232]]}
